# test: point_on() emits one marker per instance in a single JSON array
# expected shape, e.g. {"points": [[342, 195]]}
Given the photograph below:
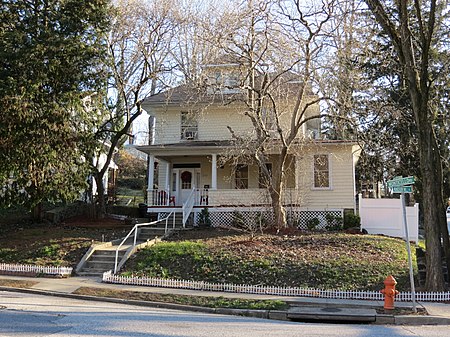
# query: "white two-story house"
{"points": [[190, 131]]}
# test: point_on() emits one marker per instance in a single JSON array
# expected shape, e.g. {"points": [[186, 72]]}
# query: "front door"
{"points": [[188, 179]]}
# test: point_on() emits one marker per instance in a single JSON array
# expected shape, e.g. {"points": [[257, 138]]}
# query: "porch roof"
{"points": [[183, 148], [198, 147]]}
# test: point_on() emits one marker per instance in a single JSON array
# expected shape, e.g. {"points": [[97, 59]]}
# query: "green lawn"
{"points": [[328, 261], [129, 197]]}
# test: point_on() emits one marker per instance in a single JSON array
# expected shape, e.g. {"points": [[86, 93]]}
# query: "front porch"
{"points": [[200, 198], [187, 177], [229, 207], [201, 181]]}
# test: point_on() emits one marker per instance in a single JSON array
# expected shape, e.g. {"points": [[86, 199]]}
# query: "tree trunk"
{"points": [[432, 206], [445, 240], [100, 200], [276, 190], [278, 209], [37, 212]]}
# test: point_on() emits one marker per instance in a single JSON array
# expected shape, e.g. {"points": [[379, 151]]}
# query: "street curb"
{"points": [[424, 320], [160, 305], [381, 319], [111, 300]]}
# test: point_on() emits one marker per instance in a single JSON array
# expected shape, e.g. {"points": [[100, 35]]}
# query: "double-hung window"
{"points": [[189, 125], [268, 119], [241, 176], [321, 171]]}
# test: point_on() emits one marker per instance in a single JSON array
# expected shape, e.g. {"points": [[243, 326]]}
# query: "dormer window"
{"points": [[231, 81], [223, 78], [189, 125]]}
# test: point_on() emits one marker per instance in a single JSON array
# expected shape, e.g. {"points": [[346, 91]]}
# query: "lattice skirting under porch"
{"points": [[235, 217], [109, 277], [302, 217]]}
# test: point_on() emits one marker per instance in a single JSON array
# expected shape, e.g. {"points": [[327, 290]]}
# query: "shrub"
{"points": [[351, 220], [50, 251], [238, 220], [334, 223], [312, 224], [203, 217]]}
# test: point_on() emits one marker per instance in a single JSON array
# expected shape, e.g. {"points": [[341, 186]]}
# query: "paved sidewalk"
{"points": [[438, 313]]}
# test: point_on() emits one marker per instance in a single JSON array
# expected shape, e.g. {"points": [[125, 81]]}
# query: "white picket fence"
{"points": [[109, 277], [25, 268]]}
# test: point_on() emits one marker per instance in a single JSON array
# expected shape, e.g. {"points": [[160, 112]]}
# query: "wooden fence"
{"points": [[109, 277]]}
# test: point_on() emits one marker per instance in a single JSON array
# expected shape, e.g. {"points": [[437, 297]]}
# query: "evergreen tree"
{"points": [[51, 54], [412, 29]]}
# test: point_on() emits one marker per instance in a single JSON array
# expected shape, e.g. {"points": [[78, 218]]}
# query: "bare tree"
{"points": [[278, 46], [139, 46]]}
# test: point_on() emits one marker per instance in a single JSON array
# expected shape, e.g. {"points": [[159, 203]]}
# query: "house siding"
{"points": [[213, 122], [341, 193]]}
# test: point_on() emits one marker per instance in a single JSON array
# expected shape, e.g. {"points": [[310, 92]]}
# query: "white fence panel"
{"points": [[109, 277], [26, 268], [384, 216]]}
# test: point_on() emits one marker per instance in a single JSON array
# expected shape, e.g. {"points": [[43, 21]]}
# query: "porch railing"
{"points": [[210, 198], [134, 231], [202, 197], [160, 197]]}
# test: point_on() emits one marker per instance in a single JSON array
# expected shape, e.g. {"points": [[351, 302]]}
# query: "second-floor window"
{"points": [[268, 118], [189, 125]]}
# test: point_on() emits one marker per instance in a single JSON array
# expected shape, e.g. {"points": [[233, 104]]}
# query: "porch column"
{"points": [[214, 171], [151, 172], [167, 183]]}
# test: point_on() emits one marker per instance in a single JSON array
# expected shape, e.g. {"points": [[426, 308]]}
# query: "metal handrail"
{"points": [[188, 205], [134, 229], [167, 222]]}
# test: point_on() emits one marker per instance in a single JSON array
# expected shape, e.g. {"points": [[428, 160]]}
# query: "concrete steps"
{"points": [[103, 259], [150, 232]]}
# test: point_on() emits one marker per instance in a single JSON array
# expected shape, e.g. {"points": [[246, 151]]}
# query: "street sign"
{"points": [[402, 189], [399, 181]]}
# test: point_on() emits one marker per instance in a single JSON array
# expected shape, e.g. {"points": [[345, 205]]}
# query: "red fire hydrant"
{"points": [[389, 292]]}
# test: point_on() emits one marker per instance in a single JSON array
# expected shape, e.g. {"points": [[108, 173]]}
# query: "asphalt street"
{"points": [[36, 315]]}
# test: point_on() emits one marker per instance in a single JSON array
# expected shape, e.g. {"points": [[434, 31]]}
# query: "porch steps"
{"points": [[103, 259]]}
